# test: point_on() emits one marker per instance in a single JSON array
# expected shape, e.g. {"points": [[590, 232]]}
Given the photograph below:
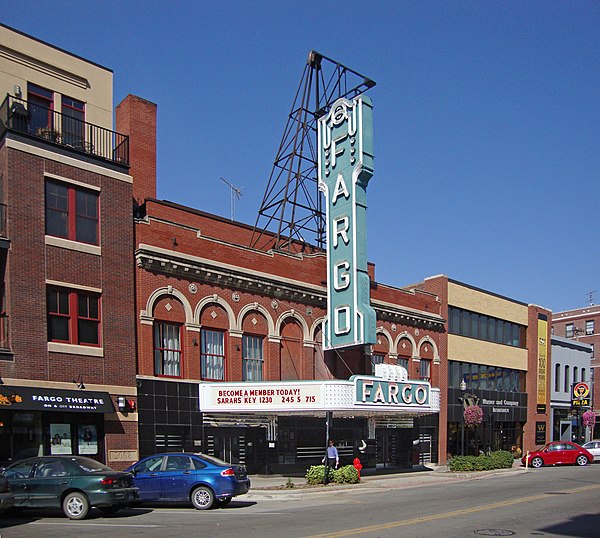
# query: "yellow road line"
{"points": [[443, 515]]}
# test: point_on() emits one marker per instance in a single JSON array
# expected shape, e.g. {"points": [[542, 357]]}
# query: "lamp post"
{"points": [[463, 387]]}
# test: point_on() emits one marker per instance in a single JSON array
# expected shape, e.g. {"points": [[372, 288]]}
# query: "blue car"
{"points": [[203, 480]]}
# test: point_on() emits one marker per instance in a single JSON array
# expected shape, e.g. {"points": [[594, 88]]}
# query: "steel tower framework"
{"points": [[291, 214]]}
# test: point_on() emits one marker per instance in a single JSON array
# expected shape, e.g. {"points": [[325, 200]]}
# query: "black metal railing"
{"points": [[29, 118]]}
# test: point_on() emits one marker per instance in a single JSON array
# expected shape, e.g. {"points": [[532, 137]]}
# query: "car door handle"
{"points": [[64, 483], [187, 472], [153, 474]]}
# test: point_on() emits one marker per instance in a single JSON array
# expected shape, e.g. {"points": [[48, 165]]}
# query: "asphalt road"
{"points": [[556, 502]]}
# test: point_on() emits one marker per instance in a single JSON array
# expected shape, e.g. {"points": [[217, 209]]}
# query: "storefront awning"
{"points": [[14, 398]]}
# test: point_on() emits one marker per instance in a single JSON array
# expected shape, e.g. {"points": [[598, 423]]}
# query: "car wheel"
{"points": [[202, 498], [76, 505], [109, 510], [537, 462], [582, 460], [223, 502]]}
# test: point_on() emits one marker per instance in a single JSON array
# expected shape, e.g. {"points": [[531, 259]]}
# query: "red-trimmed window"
{"points": [[71, 212], [167, 349], [40, 102], [212, 354], [73, 115], [73, 317]]}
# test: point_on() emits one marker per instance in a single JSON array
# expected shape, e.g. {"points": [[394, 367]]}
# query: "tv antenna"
{"points": [[590, 295], [236, 194]]}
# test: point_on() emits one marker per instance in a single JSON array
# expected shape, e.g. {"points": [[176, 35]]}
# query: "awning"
{"points": [[16, 398]]}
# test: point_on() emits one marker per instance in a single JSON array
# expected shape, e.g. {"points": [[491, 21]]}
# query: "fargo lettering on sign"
{"points": [[390, 393], [345, 168]]}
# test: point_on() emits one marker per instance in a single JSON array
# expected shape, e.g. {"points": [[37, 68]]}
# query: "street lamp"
{"points": [[463, 387]]}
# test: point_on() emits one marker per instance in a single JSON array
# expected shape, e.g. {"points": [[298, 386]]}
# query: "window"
{"points": [[569, 330], [583, 374], [592, 354], [474, 325], [212, 355], [72, 122], [376, 358], [402, 361], [71, 213], [252, 358], [566, 386], [73, 317], [557, 377], [589, 327], [40, 102], [425, 370], [575, 372], [167, 349]]}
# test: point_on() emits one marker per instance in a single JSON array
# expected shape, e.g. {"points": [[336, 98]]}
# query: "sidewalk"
{"points": [[294, 487]]}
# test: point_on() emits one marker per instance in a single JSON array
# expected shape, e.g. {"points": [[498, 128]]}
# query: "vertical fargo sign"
{"points": [[345, 168]]}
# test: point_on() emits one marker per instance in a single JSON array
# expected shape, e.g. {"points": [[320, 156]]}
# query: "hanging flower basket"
{"points": [[589, 419], [473, 415]]}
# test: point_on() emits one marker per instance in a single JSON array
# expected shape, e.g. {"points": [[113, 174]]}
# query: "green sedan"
{"points": [[73, 483]]}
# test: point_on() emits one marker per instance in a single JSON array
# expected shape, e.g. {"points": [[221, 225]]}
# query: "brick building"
{"points": [[213, 310], [582, 325], [67, 316]]}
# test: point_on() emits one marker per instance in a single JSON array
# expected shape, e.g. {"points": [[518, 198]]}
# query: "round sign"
{"points": [[581, 390]]}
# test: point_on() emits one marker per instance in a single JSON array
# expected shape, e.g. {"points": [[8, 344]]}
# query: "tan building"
{"points": [[498, 357]]}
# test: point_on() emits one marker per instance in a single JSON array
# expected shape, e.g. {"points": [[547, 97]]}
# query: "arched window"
{"points": [[566, 387], [557, 377]]}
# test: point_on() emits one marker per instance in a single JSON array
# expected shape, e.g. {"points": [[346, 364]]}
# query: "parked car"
{"points": [[557, 453], [7, 499], [73, 483], [203, 480], [593, 447]]}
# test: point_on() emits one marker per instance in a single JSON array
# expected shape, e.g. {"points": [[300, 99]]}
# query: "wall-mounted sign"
{"points": [[381, 392], [345, 168], [542, 349], [540, 433], [60, 439], [580, 395], [42, 399]]}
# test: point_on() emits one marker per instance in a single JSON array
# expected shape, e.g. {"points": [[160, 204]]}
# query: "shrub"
{"points": [[344, 475], [501, 459], [315, 474]]}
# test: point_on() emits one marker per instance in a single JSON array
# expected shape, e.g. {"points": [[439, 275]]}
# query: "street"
{"points": [[561, 501]]}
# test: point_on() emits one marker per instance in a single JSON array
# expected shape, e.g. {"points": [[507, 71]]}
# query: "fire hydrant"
{"points": [[357, 466]]}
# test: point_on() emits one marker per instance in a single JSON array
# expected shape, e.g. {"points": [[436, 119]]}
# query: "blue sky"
{"points": [[487, 120]]}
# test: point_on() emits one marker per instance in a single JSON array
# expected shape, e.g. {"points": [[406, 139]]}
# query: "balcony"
{"points": [[30, 119]]}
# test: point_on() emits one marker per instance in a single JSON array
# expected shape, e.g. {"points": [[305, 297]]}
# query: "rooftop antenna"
{"points": [[591, 297], [236, 194]]}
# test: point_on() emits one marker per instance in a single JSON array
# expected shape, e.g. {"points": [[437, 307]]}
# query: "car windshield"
{"points": [[90, 466], [213, 460]]}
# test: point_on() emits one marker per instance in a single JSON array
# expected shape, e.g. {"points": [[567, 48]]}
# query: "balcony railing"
{"points": [[25, 117]]}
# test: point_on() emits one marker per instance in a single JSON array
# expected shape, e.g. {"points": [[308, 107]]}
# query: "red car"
{"points": [[557, 453]]}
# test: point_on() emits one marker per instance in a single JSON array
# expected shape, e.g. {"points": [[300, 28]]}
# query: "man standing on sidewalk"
{"points": [[330, 460]]}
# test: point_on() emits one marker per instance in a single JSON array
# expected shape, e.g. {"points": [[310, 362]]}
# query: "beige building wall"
{"points": [[24, 59], [465, 349], [486, 303]]}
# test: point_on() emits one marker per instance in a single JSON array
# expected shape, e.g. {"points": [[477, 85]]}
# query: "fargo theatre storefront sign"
{"points": [[345, 168]]}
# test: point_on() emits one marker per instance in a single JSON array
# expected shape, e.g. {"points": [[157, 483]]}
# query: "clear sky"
{"points": [[487, 120]]}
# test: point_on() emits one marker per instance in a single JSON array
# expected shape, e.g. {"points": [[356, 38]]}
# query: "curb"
{"points": [[393, 481]]}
